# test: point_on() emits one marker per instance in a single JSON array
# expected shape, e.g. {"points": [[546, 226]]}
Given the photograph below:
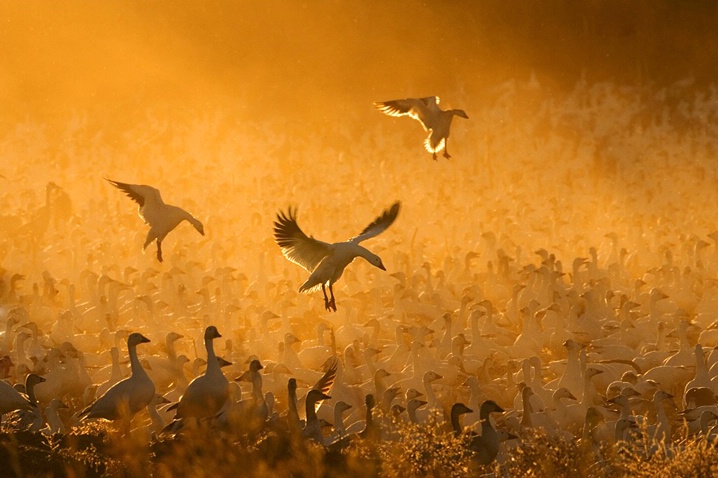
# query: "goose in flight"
{"points": [[162, 218], [326, 262], [427, 112]]}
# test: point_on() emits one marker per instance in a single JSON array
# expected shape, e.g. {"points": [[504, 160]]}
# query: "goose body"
{"points": [[162, 218], [206, 394], [127, 397], [486, 445], [427, 112], [11, 399], [326, 262]]}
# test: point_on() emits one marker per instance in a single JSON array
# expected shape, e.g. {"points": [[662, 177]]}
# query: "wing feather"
{"points": [[138, 192], [421, 109], [379, 225], [325, 383], [297, 246]]}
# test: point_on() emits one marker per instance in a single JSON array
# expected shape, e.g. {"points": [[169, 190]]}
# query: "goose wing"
{"points": [[325, 383], [379, 225], [421, 109], [138, 192], [297, 246]]}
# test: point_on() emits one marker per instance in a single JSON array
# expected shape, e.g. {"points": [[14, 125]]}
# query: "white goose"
{"points": [[427, 112], [162, 218], [326, 262], [11, 399], [206, 394], [127, 397]]}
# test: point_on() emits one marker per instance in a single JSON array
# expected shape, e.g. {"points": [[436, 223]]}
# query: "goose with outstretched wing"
{"points": [[162, 218], [325, 261], [427, 112]]}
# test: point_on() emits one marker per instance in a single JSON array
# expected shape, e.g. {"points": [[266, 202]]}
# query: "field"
{"points": [[604, 169], [576, 206]]}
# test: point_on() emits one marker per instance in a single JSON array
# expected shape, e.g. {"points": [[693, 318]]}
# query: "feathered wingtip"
{"points": [[285, 226]]}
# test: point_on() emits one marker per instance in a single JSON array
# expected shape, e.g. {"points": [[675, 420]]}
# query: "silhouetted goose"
{"points": [[206, 394], [312, 428], [28, 420], [326, 262], [254, 411], [427, 112], [339, 428], [486, 445], [162, 218], [457, 410], [127, 397]]}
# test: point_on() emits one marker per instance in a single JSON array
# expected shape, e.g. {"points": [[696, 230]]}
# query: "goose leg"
{"points": [[434, 156], [159, 250], [446, 149], [326, 299], [332, 303]]}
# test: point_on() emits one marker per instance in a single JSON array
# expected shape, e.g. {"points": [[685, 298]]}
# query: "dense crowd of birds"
{"points": [[597, 350]]}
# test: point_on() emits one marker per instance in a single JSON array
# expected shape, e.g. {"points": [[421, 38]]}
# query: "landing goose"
{"points": [[326, 262], [427, 112], [162, 218], [127, 397]]}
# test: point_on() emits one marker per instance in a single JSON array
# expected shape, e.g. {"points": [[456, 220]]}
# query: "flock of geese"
{"points": [[580, 352]]}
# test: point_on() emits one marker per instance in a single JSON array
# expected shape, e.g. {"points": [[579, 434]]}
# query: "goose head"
{"points": [[315, 396], [135, 339], [342, 406], [255, 366], [563, 392], [222, 362], [374, 260], [197, 224], [412, 393], [211, 333], [414, 404], [32, 379], [488, 407], [459, 409]]}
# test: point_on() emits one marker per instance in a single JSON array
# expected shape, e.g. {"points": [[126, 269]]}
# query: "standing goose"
{"points": [[28, 420], [206, 394], [11, 399], [326, 262], [427, 112], [127, 397], [486, 445], [162, 218]]}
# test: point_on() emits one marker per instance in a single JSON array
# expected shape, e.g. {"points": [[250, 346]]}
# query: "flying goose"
{"points": [[127, 397], [326, 262], [427, 112], [162, 218]]}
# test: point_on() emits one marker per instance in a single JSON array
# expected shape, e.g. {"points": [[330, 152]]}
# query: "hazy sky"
{"points": [[120, 57]]}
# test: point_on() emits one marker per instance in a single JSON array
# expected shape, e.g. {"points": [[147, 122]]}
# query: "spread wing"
{"points": [[379, 225], [138, 193], [325, 383], [297, 246], [421, 109]]}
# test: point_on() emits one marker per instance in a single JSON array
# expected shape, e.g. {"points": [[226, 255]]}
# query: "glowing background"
{"points": [[237, 109]]}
